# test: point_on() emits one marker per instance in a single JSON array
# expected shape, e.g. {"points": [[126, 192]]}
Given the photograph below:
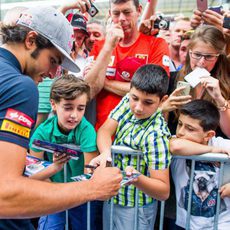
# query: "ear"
{"points": [[110, 12], [53, 104], [30, 40], [163, 99], [209, 134]]}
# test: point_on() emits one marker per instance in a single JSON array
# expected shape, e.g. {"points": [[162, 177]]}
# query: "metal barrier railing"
{"points": [[208, 157]]}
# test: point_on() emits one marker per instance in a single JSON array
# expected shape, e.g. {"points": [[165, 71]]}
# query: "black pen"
{"points": [[90, 166]]}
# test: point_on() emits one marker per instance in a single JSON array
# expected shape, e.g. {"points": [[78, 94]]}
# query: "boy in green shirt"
{"points": [[69, 96]]}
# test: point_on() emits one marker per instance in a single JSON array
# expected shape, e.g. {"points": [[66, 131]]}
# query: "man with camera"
{"points": [[130, 51]]}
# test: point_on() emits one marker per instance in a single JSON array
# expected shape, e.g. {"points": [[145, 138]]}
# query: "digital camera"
{"points": [[161, 23]]}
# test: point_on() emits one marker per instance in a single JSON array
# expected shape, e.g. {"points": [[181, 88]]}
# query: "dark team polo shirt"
{"points": [[18, 113], [18, 101]]}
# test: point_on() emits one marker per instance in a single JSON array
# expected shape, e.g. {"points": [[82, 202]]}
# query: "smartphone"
{"points": [[202, 5], [185, 91], [226, 23], [92, 10], [217, 9]]}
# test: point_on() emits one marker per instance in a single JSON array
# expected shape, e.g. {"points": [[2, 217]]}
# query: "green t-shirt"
{"points": [[83, 135]]}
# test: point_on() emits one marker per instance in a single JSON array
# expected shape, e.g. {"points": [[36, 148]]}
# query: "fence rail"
{"points": [[207, 157]]}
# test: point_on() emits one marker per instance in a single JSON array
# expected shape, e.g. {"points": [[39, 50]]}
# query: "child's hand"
{"points": [[175, 101], [59, 159], [225, 191], [129, 172], [99, 160], [221, 150]]}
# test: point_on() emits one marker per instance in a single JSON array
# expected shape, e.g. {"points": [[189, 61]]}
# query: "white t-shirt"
{"points": [[204, 194]]}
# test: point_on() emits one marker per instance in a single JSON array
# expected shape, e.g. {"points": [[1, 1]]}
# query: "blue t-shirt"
{"points": [[18, 113]]}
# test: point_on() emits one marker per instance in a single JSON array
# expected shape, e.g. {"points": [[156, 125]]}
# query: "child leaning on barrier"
{"points": [[195, 134], [69, 96], [138, 123]]}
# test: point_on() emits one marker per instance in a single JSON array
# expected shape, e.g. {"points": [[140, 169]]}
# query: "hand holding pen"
{"points": [[99, 161]]}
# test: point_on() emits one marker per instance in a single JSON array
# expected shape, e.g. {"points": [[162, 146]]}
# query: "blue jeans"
{"points": [[57, 221], [124, 218]]}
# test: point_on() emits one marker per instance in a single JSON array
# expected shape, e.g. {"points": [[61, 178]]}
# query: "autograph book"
{"points": [[70, 149]]}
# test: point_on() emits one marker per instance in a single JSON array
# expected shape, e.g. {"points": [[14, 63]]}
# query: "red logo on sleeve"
{"points": [[19, 117]]}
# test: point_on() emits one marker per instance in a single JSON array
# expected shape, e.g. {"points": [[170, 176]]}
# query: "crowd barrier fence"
{"points": [[208, 157]]}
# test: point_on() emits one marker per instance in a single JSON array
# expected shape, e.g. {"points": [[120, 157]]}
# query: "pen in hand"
{"points": [[90, 166]]}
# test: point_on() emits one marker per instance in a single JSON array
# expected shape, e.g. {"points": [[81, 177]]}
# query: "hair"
{"points": [[68, 87], [18, 33], [176, 20], [204, 111], [152, 79], [221, 71], [135, 2], [187, 35]]}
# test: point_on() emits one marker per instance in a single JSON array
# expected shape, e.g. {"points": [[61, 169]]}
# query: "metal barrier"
{"points": [[208, 157]]}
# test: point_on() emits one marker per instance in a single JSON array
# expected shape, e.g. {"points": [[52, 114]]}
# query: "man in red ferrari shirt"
{"points": [[119, 56]]}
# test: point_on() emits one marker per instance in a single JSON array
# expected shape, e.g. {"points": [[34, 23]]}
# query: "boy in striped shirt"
{"points": [[138, 123]]}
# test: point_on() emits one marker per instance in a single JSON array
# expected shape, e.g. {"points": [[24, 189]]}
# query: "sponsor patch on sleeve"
{"points": [[165, 60], [12, 127], [19, 117]]}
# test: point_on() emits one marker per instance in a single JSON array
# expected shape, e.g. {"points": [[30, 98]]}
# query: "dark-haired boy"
{"points": [[138, 123], [195, 134]]}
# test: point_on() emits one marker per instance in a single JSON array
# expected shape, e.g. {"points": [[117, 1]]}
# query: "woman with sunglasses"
{"points": [[206, 50]]}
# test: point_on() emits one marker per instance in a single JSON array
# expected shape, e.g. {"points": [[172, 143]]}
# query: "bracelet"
{"points": [[224, 107]]}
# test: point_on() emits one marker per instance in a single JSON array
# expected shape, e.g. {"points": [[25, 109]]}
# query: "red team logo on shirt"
{"points": [[19, 117], [17, 122]]}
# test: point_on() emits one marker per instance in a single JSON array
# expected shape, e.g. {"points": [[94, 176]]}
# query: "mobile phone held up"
{"points": [[187, 88], [92, 10], [226, 23], [202, 5]]}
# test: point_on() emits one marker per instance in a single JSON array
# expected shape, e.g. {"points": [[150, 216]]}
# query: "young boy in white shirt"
{"points": [[195, 135]]}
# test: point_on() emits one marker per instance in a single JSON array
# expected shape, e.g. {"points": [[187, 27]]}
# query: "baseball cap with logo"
{"points": [[78, 22], [127, 67], [53, 25]]}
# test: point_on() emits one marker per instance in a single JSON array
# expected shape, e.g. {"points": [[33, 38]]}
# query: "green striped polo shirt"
{"points": [[151, 136]]}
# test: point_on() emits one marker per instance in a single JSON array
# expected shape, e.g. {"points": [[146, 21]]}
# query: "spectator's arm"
{"points": [[156, 186], [74, 4], [21, 197], [117, 87], [149, 10], [95, 77], [183, 147]]}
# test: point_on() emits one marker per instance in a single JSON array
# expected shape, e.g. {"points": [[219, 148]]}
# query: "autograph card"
{"points": [[127, 179], [35, 165], [69, 149], [193, 78]]}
